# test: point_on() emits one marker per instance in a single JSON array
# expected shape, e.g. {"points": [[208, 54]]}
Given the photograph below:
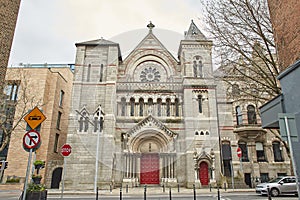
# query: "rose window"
{"points": [[150, 74]]}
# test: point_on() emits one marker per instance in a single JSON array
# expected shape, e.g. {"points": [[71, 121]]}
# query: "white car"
{"points": [[280, 185]]}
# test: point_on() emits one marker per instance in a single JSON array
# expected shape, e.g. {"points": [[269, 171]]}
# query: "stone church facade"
{"points": [[152, 117]]}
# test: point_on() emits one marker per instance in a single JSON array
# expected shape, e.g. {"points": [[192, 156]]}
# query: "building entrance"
{"points": [[203, 173], [149, 168]]}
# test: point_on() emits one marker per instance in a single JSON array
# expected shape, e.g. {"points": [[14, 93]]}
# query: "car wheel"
{"points": [[274, 192]]}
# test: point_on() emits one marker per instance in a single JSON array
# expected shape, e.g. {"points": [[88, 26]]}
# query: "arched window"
{"points": [[159, 102], [176, 107], [200, 103], [243, 146], [251, 114], [277, 152], [239, 116], [150, 106], [168, 109], [141, 103], [81, 124], [86, 124], [200, 68], [123, 106], [195, 68], [132, 102], [88, 73], [235, 90], [101, 73]]}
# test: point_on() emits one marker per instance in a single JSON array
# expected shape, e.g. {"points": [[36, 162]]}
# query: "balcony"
{"points": [[249, 130]]}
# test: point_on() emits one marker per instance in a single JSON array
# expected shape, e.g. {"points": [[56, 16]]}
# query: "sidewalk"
{"points": [[150, 191]]}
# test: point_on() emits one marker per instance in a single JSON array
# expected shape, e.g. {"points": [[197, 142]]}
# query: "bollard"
{"points": [[210, 187], [225, 186], [121, 193], [110, 188], [194, 188], [178, 188], [218, 193], [126, 188], [170, 193], [145, 192], [269, 195], [97, 193], [163, 186]]}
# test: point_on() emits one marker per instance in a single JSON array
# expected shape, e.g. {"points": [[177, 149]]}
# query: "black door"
{"points": [[248, 179], [56, 178]]}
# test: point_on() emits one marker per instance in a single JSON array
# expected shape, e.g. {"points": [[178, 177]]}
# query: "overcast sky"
{"points": [[47, 30]]}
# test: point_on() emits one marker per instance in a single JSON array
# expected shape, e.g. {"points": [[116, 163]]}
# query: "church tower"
{"points": [[200, 110]]}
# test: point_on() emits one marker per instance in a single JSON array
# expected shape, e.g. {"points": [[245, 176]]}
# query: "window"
{"points": [[123, 106], [101, 73], [168, 110], [235, 90], [195, 68], [61, 97], [176, 107], [159, 102], [81, 124], [277, 152], [200, 68], [132, 106], [260, 153], [88, 73], [150, 106], [56, 139], [11, 91], [226, 151], [141, 103], [58, 120], [239, 116], [251, 114], [243, 146], [200, 103], [264, 177], [96, 122]]}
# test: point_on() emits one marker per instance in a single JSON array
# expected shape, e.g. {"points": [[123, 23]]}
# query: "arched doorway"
{"points": [[56, 178], [203, 173]]}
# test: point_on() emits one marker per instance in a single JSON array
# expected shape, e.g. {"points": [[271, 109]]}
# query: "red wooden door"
{"points": [[149, 169], [203, 173]]}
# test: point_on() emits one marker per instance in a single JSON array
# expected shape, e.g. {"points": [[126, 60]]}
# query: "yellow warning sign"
{"points": [[34, 118]]}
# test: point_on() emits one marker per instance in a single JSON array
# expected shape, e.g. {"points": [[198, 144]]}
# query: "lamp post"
{"points": [[97, 148]]}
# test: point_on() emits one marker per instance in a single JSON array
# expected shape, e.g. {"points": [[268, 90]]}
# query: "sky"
{"points": [[47, 30]]}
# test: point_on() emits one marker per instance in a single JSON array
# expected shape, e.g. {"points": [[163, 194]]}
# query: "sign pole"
{"points": [[63, 180], [27, 174]]}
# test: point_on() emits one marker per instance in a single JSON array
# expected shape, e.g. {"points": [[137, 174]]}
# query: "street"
{"points": [[225, 196]]}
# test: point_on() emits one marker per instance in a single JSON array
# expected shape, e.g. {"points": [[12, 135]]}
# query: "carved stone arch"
{"points": [[84, 112], [159, 139], [140, 56]]}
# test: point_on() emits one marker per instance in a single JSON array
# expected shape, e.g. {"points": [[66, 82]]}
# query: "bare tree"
{"points": [[244, 46], [15, 103]]}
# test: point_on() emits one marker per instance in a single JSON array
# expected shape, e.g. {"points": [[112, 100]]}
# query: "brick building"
{"points": [[8, 17], [49, 88], [285, 19]]}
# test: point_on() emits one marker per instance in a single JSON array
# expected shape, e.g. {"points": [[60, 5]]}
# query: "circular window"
{"points": [[150, 74]]}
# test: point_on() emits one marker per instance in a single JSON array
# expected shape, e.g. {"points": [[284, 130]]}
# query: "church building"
{"points": [[154, 116]]}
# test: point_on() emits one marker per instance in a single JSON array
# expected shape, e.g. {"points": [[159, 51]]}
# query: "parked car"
{"points": [[277, 186]]}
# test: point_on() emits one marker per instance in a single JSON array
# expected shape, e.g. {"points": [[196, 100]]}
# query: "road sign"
{"points": [[31, 139], [34, 118], [66, 150], [239, 152]]}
